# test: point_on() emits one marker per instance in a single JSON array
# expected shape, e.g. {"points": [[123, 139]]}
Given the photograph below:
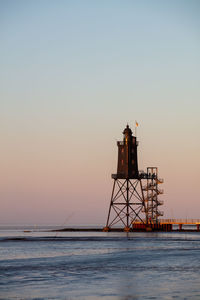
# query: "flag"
{"points": [[136, 124]]}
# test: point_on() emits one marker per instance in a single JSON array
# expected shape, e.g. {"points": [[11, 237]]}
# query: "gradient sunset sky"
{"points": [[73, 74]]}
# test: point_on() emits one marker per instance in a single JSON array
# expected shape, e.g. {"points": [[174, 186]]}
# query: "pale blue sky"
{"points": [[73, 73]]}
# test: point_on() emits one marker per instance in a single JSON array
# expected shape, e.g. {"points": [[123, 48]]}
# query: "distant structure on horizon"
{"points": [[134, 200]]}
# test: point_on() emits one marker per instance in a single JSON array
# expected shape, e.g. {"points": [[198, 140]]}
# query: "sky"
{"points": [[72, 75]]}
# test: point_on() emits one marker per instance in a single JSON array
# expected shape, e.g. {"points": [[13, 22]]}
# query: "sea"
{"points": [[36, 263]]}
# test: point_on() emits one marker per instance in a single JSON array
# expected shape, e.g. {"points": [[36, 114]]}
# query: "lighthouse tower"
{"points": [[127, 200], [127, 157], [132, 201]]}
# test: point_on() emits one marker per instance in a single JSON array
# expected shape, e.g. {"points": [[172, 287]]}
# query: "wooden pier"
{"points": [[181, 222]]}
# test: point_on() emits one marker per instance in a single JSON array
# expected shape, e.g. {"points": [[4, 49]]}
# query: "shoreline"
{"points": [[118, 230]]}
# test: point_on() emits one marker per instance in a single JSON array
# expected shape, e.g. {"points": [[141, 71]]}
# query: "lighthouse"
{"points": [[134, 198]]}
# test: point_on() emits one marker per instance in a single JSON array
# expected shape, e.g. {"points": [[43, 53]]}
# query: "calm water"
{"points": [[42, 265]]}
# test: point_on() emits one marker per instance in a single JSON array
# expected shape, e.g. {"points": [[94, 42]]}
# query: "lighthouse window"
{"points": [[122, 150], [122, 161], [132, 161]]}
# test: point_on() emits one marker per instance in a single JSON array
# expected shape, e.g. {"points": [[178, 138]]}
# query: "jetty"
{"points": [[165, 225]]}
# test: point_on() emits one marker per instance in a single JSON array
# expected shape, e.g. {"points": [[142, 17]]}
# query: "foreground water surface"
{"points": [[89, 265]]}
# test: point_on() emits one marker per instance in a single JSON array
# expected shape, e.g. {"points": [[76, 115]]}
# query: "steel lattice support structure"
{"points": [[151, 192], [127, 203]]}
